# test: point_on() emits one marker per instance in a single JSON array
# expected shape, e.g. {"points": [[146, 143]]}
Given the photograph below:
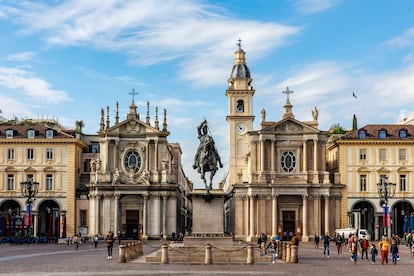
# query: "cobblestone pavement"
{"points": [[52, 259]]}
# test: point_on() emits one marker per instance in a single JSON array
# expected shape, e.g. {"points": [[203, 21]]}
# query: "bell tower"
{"points": [[240, 116]]}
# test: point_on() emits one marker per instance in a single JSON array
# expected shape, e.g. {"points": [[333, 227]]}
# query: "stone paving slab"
{"points": [[63, 260]]}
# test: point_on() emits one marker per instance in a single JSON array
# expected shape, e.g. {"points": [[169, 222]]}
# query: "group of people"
{"points": [[362, 246], [109, 240], [272, 246]]}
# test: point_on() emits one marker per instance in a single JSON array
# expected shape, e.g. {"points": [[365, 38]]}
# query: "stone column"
{"points": [[274, 213], [315, 156], [262, 155], [377, 233], [317, 211], [34, 223], [246, 212], [62, 224], [305, 157], [272, 156], [164, 216], [251, 211], [327, 214], [305, 218], [144, 219], [116, 214]]}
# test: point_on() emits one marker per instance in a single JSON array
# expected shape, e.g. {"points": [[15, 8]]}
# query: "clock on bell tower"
{"points": [[240, 116]]}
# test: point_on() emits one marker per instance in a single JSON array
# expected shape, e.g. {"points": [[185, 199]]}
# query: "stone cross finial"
{"points": [[133, 93], [239, 43], [287, 92]]}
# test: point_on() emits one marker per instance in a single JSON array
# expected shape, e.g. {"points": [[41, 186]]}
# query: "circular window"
{"points": [[132, 160], [288, 161]]}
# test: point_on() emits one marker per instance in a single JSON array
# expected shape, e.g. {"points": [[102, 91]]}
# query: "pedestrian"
{"points": [[76, 241], [354, 249], [294, 240], [326, 239], [384, 246], [373, 252], [95, 240], [316, 240], [262, 243], [273, 247], [394, 252], [110, 243], [364, 248], [119, 237], [338, 241]]}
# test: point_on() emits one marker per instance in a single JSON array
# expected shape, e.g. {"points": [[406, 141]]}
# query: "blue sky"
{"points": [[68, 59]]}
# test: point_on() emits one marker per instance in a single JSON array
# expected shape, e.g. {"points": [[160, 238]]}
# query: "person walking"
{"points": [[384, 245], [326, 239], [76, 241], [373, 252], [316, 240], [119, 237], [354, 249], [110, 243], [95, 240], [394, 252], [338, 241], [364, 248]]}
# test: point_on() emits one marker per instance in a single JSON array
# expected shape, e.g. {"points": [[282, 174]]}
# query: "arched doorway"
{"points": [[48, 219], [131, 207], [11, 222], [364, 217], [401, 212]]}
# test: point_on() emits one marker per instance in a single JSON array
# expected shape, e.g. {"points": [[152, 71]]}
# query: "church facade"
{"points": [[135, 182], [277, 173]]}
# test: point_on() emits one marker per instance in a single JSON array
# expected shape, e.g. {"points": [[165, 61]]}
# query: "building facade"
{"points": [[365, 157], [44, 152], [277, 174], [135, 183]]}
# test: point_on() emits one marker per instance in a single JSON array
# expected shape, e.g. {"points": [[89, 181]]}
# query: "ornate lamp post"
{"points": [[29, 190], [385, 191]]}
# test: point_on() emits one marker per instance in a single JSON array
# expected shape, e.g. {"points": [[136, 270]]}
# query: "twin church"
{"points": [[129, 177]]}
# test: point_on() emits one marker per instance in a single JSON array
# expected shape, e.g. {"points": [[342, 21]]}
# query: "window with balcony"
{"points": [[49, 154], [403, 183], [362, 154], [382, 154], [10, 154], [49, 182], [10, 182], [363, 182], [402, 155], [30, 154]]}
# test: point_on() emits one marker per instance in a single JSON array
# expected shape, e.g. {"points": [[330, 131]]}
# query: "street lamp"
{"points": [[29, 190], [385, 191]]}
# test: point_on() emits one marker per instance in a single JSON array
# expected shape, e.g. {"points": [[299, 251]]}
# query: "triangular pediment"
{"points": [[131, 126], [289, 125]]}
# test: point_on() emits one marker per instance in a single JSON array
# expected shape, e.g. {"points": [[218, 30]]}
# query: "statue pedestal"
{"points": [[208, 218]]}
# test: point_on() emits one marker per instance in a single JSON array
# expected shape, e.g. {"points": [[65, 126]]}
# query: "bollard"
{"points": [[121, 257], [164, 254], [140, 251], [288, 253], [134, 250], [279, 250], [294, 254], [250, 254], [208, 258], [284, 252]]}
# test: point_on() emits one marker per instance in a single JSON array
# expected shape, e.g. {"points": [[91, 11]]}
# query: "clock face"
{"points": [[241, 128]]}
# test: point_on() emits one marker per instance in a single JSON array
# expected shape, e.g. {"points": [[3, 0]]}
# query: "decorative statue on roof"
{"points": [[206, 158]]}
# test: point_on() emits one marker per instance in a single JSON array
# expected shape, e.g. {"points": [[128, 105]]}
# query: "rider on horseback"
{"points": [[205, 148]]}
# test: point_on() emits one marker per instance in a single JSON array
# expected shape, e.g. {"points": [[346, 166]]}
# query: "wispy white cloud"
{"points": [[31, 86], [314, 6], [151, 32], [22, 56], [405, 40]]}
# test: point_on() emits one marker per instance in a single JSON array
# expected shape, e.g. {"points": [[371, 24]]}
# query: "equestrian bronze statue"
{"points": [[206, 158]]}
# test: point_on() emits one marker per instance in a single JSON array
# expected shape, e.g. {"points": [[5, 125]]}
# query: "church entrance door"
{"points": [[288, 224], [132, 222]]}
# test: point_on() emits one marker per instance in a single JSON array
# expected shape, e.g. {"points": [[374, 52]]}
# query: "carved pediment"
{"points": [[288, 127]]}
